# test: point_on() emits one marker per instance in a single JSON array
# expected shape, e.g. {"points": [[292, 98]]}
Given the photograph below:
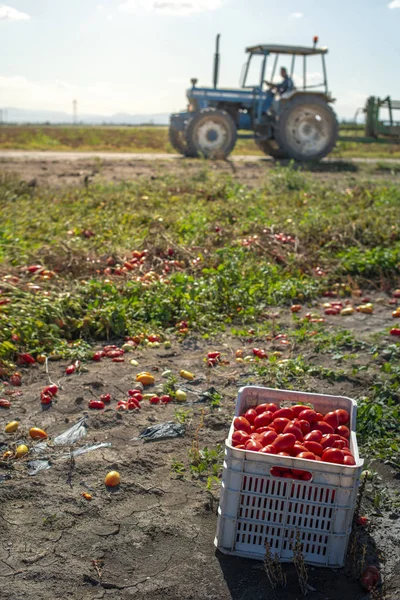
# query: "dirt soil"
{"points": [[44, 170], [152, 537]]}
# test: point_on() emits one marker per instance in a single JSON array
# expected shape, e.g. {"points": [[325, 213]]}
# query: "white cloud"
{"points": [[394, 4], [104, 12], [7, 13], [170, 7], [297, 15]]}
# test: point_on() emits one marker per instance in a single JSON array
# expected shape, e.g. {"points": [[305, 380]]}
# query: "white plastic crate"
{"points": [[256, 507]]}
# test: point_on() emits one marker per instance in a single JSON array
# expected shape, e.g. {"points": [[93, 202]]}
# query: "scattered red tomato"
{"points": [[362, 521], [70, 369], [395, 331], [166, 399], [46, 398], [25, 359], [122, 405], [97, 356], [96, 404], [51, 389], [370, 578], [16, 379], [5, 403], [105, 398]]}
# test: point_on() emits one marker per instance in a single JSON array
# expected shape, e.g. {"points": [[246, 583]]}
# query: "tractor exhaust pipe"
{"points": [[216, 62]]}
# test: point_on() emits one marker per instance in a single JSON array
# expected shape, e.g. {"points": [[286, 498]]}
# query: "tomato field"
{"points": [[147, 294]]}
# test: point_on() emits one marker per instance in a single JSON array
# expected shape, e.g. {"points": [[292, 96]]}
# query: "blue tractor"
{"points": [[298, 124]]}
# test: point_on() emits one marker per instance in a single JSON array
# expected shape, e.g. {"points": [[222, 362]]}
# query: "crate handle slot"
{"points": [[296, 474]]}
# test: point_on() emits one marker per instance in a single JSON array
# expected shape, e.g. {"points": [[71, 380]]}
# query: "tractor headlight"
{"points": [[191, 108]]}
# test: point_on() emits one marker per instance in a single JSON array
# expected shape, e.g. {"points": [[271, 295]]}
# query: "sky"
{"points": [[137, 56]]}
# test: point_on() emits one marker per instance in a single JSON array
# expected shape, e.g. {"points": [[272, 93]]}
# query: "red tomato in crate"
{"points": [[242, 424], [328, 440], [343, 431], [265, 408], [286, 413], [304, 425], [283, 454], [253, 445], [320, 416], [343, 415], [298, 408], [313, 436], [341, 444], [276, 472], [267, 438], [332, 418], [297, 449], [348, 460], [325, 428], [285, 441], [268, 450], [298, 473], [264, 429], [263, 419], [250, 415], [307, 476], [308, 415], [240, 437], [307, 455], [291, 428], [280, 424], [314, 447], [333, 455]]}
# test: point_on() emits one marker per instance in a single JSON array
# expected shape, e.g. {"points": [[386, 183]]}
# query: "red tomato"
{"points": [[307, 476], [97, 356], [283, 454], [264, 429], [297, 448], [333, 455], [268, 450], [325, 428], [50, 389], [305, 426], [285, 441], [332, 418], [240, 437], [105, 397], [307, 455], [46, 398], [318, 458], [280, 424], [242, 424], [314, 447], [308, 415], [320, 416], [343, 431], [291, 428], [154, 400], [165, 399], [286, 413], [346, 452], [339, 444], [253, 445], [297, 409], [343, 415], [265, 407], [121, 405], [5, 403], [370, 576], [255, 436], [71, 369], [328, 440], [133, 404], [267, 438], [349, 460], [313, 436], [250, 415], [96, 404], [298, 473], [241, 447], [276, 472], [263, 419]]}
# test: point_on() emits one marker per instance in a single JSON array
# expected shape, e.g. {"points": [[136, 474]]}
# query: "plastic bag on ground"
{"points": [[35, 466], [86, 449], [73, 434], [162, 431]]}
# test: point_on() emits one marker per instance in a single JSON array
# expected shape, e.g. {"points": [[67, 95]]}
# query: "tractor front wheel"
{"points": [[211, 133], [307, 128]]}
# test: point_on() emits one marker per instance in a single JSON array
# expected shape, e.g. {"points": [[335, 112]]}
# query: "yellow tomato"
{"points": [[113, 478], [21, 451], [11, 427], [37, 434]]}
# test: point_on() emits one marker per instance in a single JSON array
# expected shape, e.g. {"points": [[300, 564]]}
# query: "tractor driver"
{"points": [[286, 85]]}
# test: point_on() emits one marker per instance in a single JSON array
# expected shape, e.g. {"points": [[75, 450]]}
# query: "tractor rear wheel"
{"points": [[178, 142], [211, 133], [307, 128]]}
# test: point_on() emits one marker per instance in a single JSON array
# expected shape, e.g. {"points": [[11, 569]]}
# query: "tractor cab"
{"points": [[297, 124]]}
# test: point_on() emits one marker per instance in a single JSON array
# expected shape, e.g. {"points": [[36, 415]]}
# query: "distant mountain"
{"points": [[17, 115]]}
